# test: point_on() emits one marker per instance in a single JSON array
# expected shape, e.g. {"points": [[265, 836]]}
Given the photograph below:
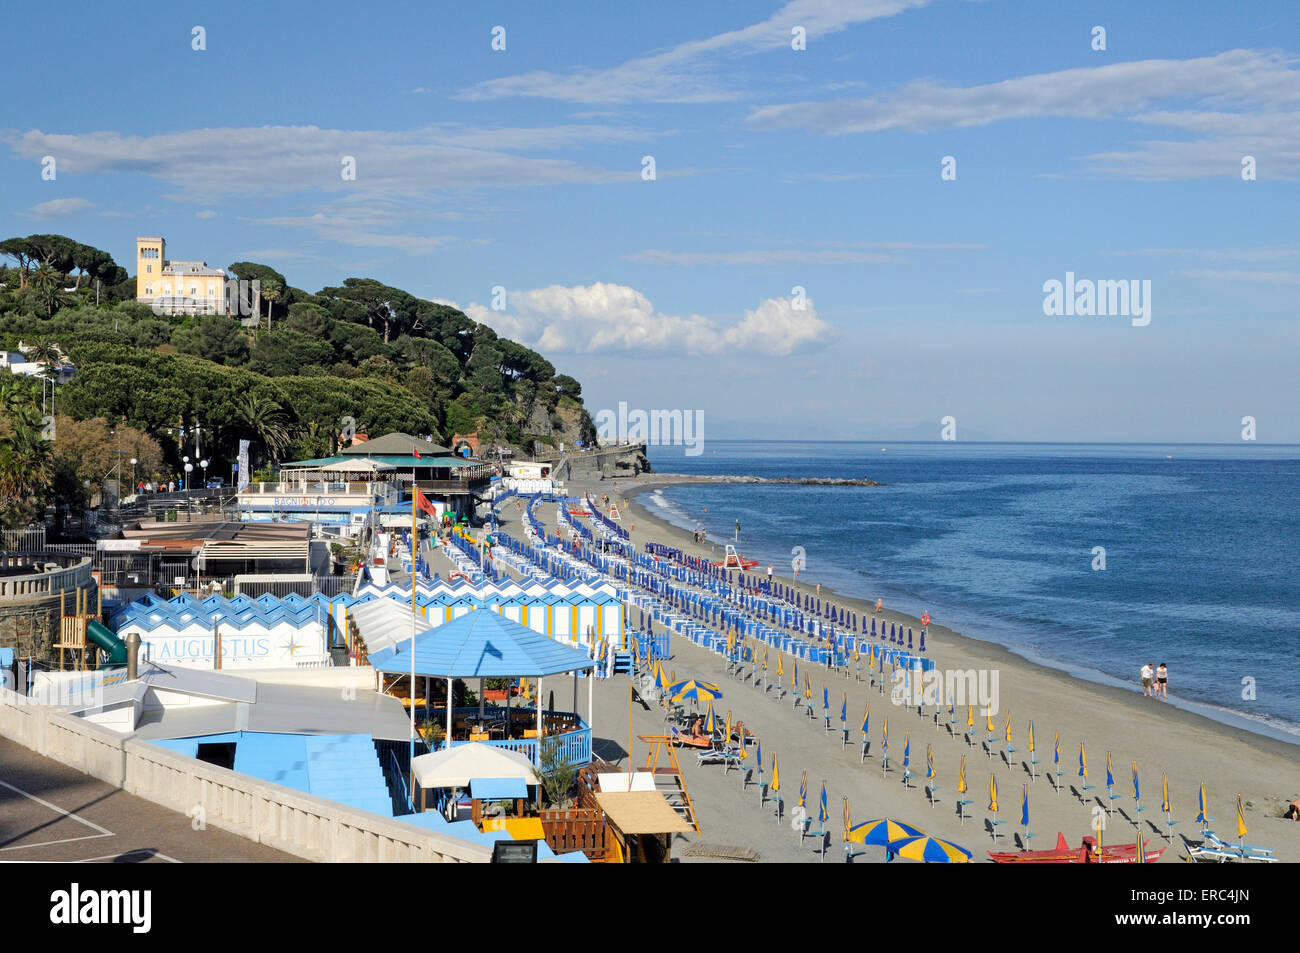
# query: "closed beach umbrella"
{"points": [[988, 723], [1008, 730], [866, 720], [993, 793], [1242, 830], [1110, 777], [710, 719], [885, 739], [1083, 762], [970, 717], [930, 850], [961, 777], [907, 748], [803, 794], [844, 708], [1200, 809], [775, 786], [929, 762], [1031, 739], [807, 687], [822, 814], [728, 736], [848, 820], [1137, 793], [826, 698], [1164, 794], [1141, 856], [1056, 751]]}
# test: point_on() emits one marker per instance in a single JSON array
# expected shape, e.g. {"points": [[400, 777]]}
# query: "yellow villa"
{"points": [[177, 287]]}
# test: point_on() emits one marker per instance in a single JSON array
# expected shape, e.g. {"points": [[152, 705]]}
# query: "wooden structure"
{"points": [[669, 780], [72, 629], [580, 828], [642, 823]]}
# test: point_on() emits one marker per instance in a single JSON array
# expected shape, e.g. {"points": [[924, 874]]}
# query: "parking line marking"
{"points": [[103, 831]]}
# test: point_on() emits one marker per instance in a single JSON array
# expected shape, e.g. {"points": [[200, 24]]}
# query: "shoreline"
{"points": [[632, 488], [1189, 747]]}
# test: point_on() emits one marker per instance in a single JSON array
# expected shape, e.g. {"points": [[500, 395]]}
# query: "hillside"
{"points": [[361, 354]]}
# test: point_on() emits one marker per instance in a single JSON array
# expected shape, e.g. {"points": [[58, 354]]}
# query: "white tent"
{"points": [[455, 767], [385, 622]]}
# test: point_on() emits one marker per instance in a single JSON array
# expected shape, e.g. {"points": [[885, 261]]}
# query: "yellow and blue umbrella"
{"points": [[1137, 791], [970, 717], [727, 736], [1200, 808], [826, 698], [866, 719], [659, 675], [775, 786], [907, 748], [1141, 856], [1083, 762], [1056, 750], [1110, 777], [780, 666], [961, 777], [795, 675], [993, 793], [822, 814], [988, 723], [1165, 804], [765, 658], [1242, 830], [1024, 807], [929, 762], [1008, 734], [882, 832], [930, 850], [710, 719], [807, 687], [803, 793], [1031, 738], [844, 708], [693, 690], [848, 821], [885, 738]]}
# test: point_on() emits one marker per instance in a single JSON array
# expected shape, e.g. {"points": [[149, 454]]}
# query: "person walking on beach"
{"points": [[1162, 681], [1147, 675]]}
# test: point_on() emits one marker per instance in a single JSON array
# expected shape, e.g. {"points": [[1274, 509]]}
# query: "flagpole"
{"points": [[415, 495]]}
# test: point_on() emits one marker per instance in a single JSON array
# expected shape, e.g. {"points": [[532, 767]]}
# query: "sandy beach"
{"points": [[1189, 747]]}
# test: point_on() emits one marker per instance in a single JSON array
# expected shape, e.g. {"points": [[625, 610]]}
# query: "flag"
{"points": [[422, 503], [415, 452]]}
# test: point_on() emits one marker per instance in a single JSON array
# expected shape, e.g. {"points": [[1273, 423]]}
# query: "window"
{"points": [[148, 269], [148, 290]]}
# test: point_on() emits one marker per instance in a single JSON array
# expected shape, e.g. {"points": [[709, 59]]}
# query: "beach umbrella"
{"points": [[1031, 738], [988, 723], [1137, 791], [826, 698], [710, 719], [807, 687], [993, 793], [694, 691], [929, 762], [1242, 830], [775, 786], [844, 710], [930, 850], [728, 734], [659, 675], [882, 832], [848, 822], [907, 750], [1008, 733], [866, 720], [822, 814], [970, 719], [803, 794], [1056, 760], [780, 667], [1141, 856], [1083, 762], [1110, 777], [1164, 794], [1024, 811]]}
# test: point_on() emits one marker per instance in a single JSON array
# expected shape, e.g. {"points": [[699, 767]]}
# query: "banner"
{"points": [[243, 465]]}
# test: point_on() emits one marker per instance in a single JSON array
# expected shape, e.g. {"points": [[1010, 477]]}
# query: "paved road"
{"points": [[50, 812]]}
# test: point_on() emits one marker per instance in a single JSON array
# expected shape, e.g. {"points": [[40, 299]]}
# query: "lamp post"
{"points": [[134, 461], [204, 465], [189, 468]]}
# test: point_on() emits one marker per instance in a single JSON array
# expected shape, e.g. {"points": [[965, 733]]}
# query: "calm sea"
{"points": [[1202, 550]]}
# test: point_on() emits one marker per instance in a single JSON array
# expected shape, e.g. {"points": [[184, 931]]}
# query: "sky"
{"points": [[854, 239]]}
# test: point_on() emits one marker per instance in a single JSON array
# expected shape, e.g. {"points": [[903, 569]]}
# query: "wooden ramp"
{"points": [[668, 780]]}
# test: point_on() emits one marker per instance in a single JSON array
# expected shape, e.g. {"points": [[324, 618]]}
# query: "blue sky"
{"points": [[775, 169]]}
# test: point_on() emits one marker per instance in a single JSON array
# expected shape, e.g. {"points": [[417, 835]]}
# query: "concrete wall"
{"points": [[287, 820]]}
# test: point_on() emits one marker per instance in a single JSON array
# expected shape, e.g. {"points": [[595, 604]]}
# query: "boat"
{"points": [[1063, 853], [732, 560]]}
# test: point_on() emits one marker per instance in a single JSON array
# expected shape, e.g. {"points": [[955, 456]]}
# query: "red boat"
{"points": [[1085, 853], [732, 560]]}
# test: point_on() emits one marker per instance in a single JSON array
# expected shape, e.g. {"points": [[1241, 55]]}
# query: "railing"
{"points": [[574, 738], [577, 829], [38, 585]]}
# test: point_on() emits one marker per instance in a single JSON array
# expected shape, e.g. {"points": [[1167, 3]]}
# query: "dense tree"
{"points": [[215, 338], [286, 351]]}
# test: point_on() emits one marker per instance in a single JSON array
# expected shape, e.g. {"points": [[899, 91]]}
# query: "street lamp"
{"points": [[134, 461], [204, 465], [189, 468]]}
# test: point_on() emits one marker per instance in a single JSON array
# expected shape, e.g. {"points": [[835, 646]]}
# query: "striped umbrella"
{"points": [[1031, 739], [929, 762], [1200, 809], [710, 719], [1137, 792], [807, 687], [930, 850], [1083, 762], [1242, 830], [866, 720], [822, 814], [848, 821], [882, 832], [907, 749], [693, 690], [803, 794], [844, 710], [1110, 777], [1164, 794], [993, 793], [775, 786], [1141, 855]]}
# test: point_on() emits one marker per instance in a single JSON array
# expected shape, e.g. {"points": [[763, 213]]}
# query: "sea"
{"points": [[1089, 558]]}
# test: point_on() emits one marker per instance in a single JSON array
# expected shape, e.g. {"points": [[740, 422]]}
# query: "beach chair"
{"points": [[1243, 851]]}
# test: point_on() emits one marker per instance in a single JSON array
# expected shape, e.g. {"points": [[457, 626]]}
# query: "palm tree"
{"points": [[267, 421], [48, 288], [270, 294], [25, 466]]}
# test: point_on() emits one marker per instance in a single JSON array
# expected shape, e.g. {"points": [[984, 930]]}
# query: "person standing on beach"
{"points": [[1147, 675], [1162, 681]]}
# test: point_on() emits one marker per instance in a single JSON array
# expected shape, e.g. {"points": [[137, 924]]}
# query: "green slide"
{"points": [[99, 634]]}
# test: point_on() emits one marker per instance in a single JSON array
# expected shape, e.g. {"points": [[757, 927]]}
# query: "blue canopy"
{"points": [[481, 644], [497, 789]]}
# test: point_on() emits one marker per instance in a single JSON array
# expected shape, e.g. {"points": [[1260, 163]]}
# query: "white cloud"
{"points": [[687, 73], [1263, 83], [611, 318], [205, 213], [60, 208], [249, 161]]}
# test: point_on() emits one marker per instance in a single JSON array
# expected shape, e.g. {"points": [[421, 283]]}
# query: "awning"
{"points": [[642, 812], [455, 767], [497, 789]]}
